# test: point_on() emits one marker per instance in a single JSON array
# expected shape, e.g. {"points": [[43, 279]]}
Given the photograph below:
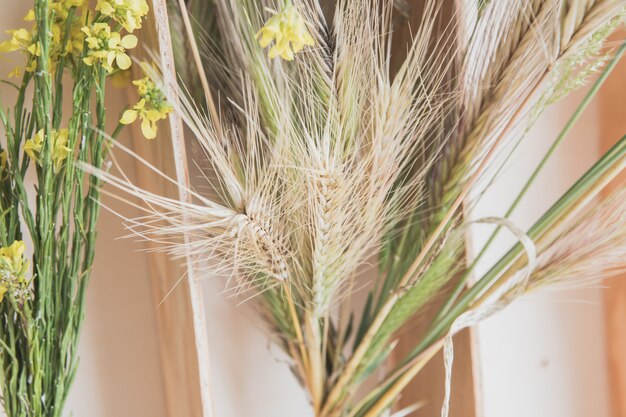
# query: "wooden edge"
{"points": [[613, 126], [182, 174], [177, 295], [427, 388]]}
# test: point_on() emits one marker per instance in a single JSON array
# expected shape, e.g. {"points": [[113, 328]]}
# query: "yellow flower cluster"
{"points": [[59, 149], [60, 10], [13, 270], [289, 32], [151, 108], [107, 47], [23, 39], [74, 45], [127, 13]]}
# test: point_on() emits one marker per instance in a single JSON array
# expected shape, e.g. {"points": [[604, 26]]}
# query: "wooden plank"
{"points": [[173, 312], [613, 127], [177, 295], [428, 387]]}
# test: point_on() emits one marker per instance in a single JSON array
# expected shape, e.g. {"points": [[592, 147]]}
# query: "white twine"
{"points": [[404, 412], [503, 297]]}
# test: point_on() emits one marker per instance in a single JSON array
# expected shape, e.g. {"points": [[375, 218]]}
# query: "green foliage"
{"points": [[39, 331]]}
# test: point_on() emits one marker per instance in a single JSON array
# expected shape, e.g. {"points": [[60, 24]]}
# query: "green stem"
{"points": [[41, 352]]}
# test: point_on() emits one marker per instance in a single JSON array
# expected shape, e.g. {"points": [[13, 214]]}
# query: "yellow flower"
{"points": [[30, 16], [75, 41], [61, 11], [151, 108], [12, 255], [289, 32], [60, 151], [4, 156], [127, 13], [106, 47], [22, 39], [13, 270], [16, 72]]}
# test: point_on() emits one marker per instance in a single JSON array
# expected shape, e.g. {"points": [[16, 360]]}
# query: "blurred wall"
{"points": [[544, 355]]}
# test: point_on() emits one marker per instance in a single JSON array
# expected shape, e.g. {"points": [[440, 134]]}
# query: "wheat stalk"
{"points": [[592, 246]]}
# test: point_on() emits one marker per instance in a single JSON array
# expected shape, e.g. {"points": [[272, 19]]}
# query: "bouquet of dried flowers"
{"points": [[68, 50], [330, 147]]}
